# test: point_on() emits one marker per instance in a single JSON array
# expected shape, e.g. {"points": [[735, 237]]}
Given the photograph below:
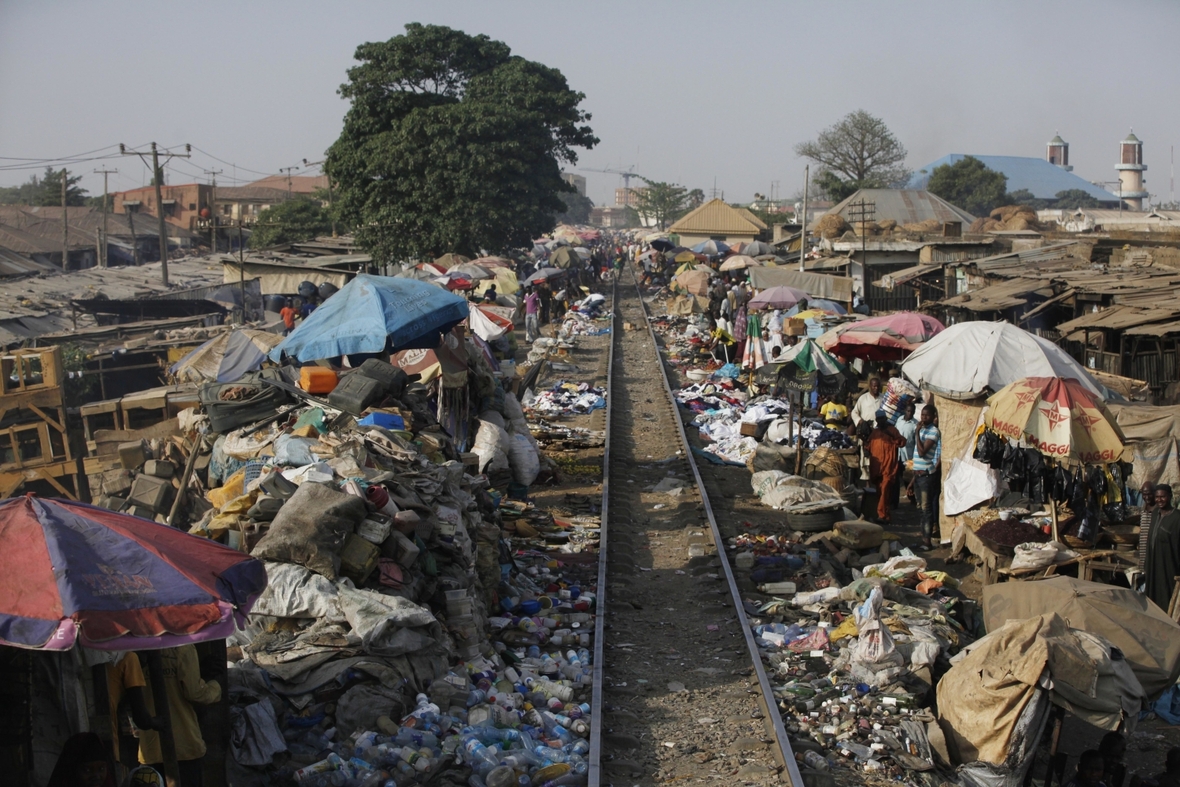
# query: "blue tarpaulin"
{"points": [[373, 314]]}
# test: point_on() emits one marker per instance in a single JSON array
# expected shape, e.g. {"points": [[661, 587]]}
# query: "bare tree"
{"points": [[860, 151]]}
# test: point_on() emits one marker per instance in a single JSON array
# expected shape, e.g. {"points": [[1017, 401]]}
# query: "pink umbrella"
{"points": [[782, 297], [890, 337]]}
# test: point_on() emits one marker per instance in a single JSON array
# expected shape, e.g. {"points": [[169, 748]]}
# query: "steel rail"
{"points": [[771, 703], [594, 772]]}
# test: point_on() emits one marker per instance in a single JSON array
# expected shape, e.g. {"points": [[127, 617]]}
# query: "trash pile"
{"points": [[853, 641], [566, 398], [416, 619]]}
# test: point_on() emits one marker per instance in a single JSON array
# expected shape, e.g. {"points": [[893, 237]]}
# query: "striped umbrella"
{"points": [[110, 581]]}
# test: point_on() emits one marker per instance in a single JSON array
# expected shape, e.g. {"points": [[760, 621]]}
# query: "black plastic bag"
{"points": [[1115, 512], [1096, 482], [1062, 485], [1013, 465], [989, 449], [1039, 476], [1088, 529]]}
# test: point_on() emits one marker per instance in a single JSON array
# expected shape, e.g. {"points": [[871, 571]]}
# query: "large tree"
{"points": [[292, 221], [451, 143], [859, 151], [577, 208], [969, 184], [1071, 199], [45, 190], [659, 203]]}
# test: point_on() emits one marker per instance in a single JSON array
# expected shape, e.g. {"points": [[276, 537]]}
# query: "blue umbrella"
{"points": [[819, 303], [373, 314], [711, 248]]}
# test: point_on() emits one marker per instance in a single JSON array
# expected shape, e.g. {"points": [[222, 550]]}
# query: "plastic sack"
{"points": [[522, 456], [385, 624], [822, 596], [294, 451], [491, 440], [896, 568], [1033, 555], [296, 592], [311, 527], [969, 483]]}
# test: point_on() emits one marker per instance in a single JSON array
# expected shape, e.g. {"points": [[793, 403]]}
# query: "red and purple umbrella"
{"points": [[73, 573], [889, 337], [781, 297]]}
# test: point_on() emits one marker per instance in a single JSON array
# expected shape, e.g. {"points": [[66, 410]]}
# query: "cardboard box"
{"points": [[794, 327], [749, 429]]}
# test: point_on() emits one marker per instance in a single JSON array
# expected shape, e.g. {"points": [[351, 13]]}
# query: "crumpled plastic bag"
{"points": [[896, 568], [816, 640], [874, 648], [255, 737]]}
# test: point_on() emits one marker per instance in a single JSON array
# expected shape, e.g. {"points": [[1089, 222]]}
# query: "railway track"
{"points": [[680, 692]]}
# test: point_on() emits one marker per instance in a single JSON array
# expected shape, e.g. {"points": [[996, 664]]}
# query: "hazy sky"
{"points": [[690, 92]]}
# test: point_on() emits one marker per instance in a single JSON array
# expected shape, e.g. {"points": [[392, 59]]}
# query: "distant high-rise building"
{"points": [[627, 198], [1131, 169], [1058, 153], [577, 181]]}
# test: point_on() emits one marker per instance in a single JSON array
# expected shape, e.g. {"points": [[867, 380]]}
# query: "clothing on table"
{"points": [[866, 408], [924, 461], [907, 428], [184, 685], [834, 413], [1163, 556]]}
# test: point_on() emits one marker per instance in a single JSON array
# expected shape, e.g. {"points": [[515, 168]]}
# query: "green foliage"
{"points": [[970, 185], [292, 221], [45, 190], [577, 208], [859, 151], [696, 198], [1072, 199], [828, 185], [659, 203], [452, 144], [73, 359]]}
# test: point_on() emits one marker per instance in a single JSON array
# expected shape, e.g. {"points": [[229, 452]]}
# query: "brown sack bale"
{"points": [[977, 226], [830, 226], [929, 225], [888, 225]]}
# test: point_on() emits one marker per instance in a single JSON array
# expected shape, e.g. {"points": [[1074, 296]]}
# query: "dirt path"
{"points": [[681, 702]]}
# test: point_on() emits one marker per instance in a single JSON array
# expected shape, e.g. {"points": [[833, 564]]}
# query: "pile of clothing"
{"points": [[566, 398]]}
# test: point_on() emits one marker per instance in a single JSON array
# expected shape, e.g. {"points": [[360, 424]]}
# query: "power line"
{"points": [[232, 164]]}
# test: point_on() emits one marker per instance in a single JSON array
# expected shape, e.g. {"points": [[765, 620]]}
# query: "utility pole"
{"points": [[65, 226], [158, 177], [803, 233], [242, 269], [102, 257], [288, 170], [863, 212], [331, 201], [213, 209]]}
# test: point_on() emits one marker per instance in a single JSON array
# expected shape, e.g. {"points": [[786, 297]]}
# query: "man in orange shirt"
{"points": [[288, 313], [884, 463]]}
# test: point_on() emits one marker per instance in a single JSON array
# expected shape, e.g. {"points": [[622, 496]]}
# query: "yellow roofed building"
{"points": [[716, 220]]}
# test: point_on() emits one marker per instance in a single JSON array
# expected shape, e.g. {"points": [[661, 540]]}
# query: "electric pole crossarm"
{"points": [[158, 178]]}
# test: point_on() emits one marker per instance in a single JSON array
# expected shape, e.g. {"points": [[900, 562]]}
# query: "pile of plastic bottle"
{"points": [[517, 719]]}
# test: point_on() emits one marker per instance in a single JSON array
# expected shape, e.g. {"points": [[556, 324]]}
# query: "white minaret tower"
{"points": [[1057, 152], [1131, 169]]}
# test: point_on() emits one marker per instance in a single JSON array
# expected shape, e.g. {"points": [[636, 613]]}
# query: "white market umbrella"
{"points": [[971, 358]]}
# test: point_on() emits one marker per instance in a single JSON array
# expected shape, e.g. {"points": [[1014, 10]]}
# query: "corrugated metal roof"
{"points": [[1118, 317], [905, 206], [1156, 329], [749, 215], [300, 184], [1040, 177], [715, 218]]}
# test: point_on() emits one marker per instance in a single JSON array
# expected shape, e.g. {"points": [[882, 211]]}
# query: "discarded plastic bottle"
{"points": [[816, 761]]}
